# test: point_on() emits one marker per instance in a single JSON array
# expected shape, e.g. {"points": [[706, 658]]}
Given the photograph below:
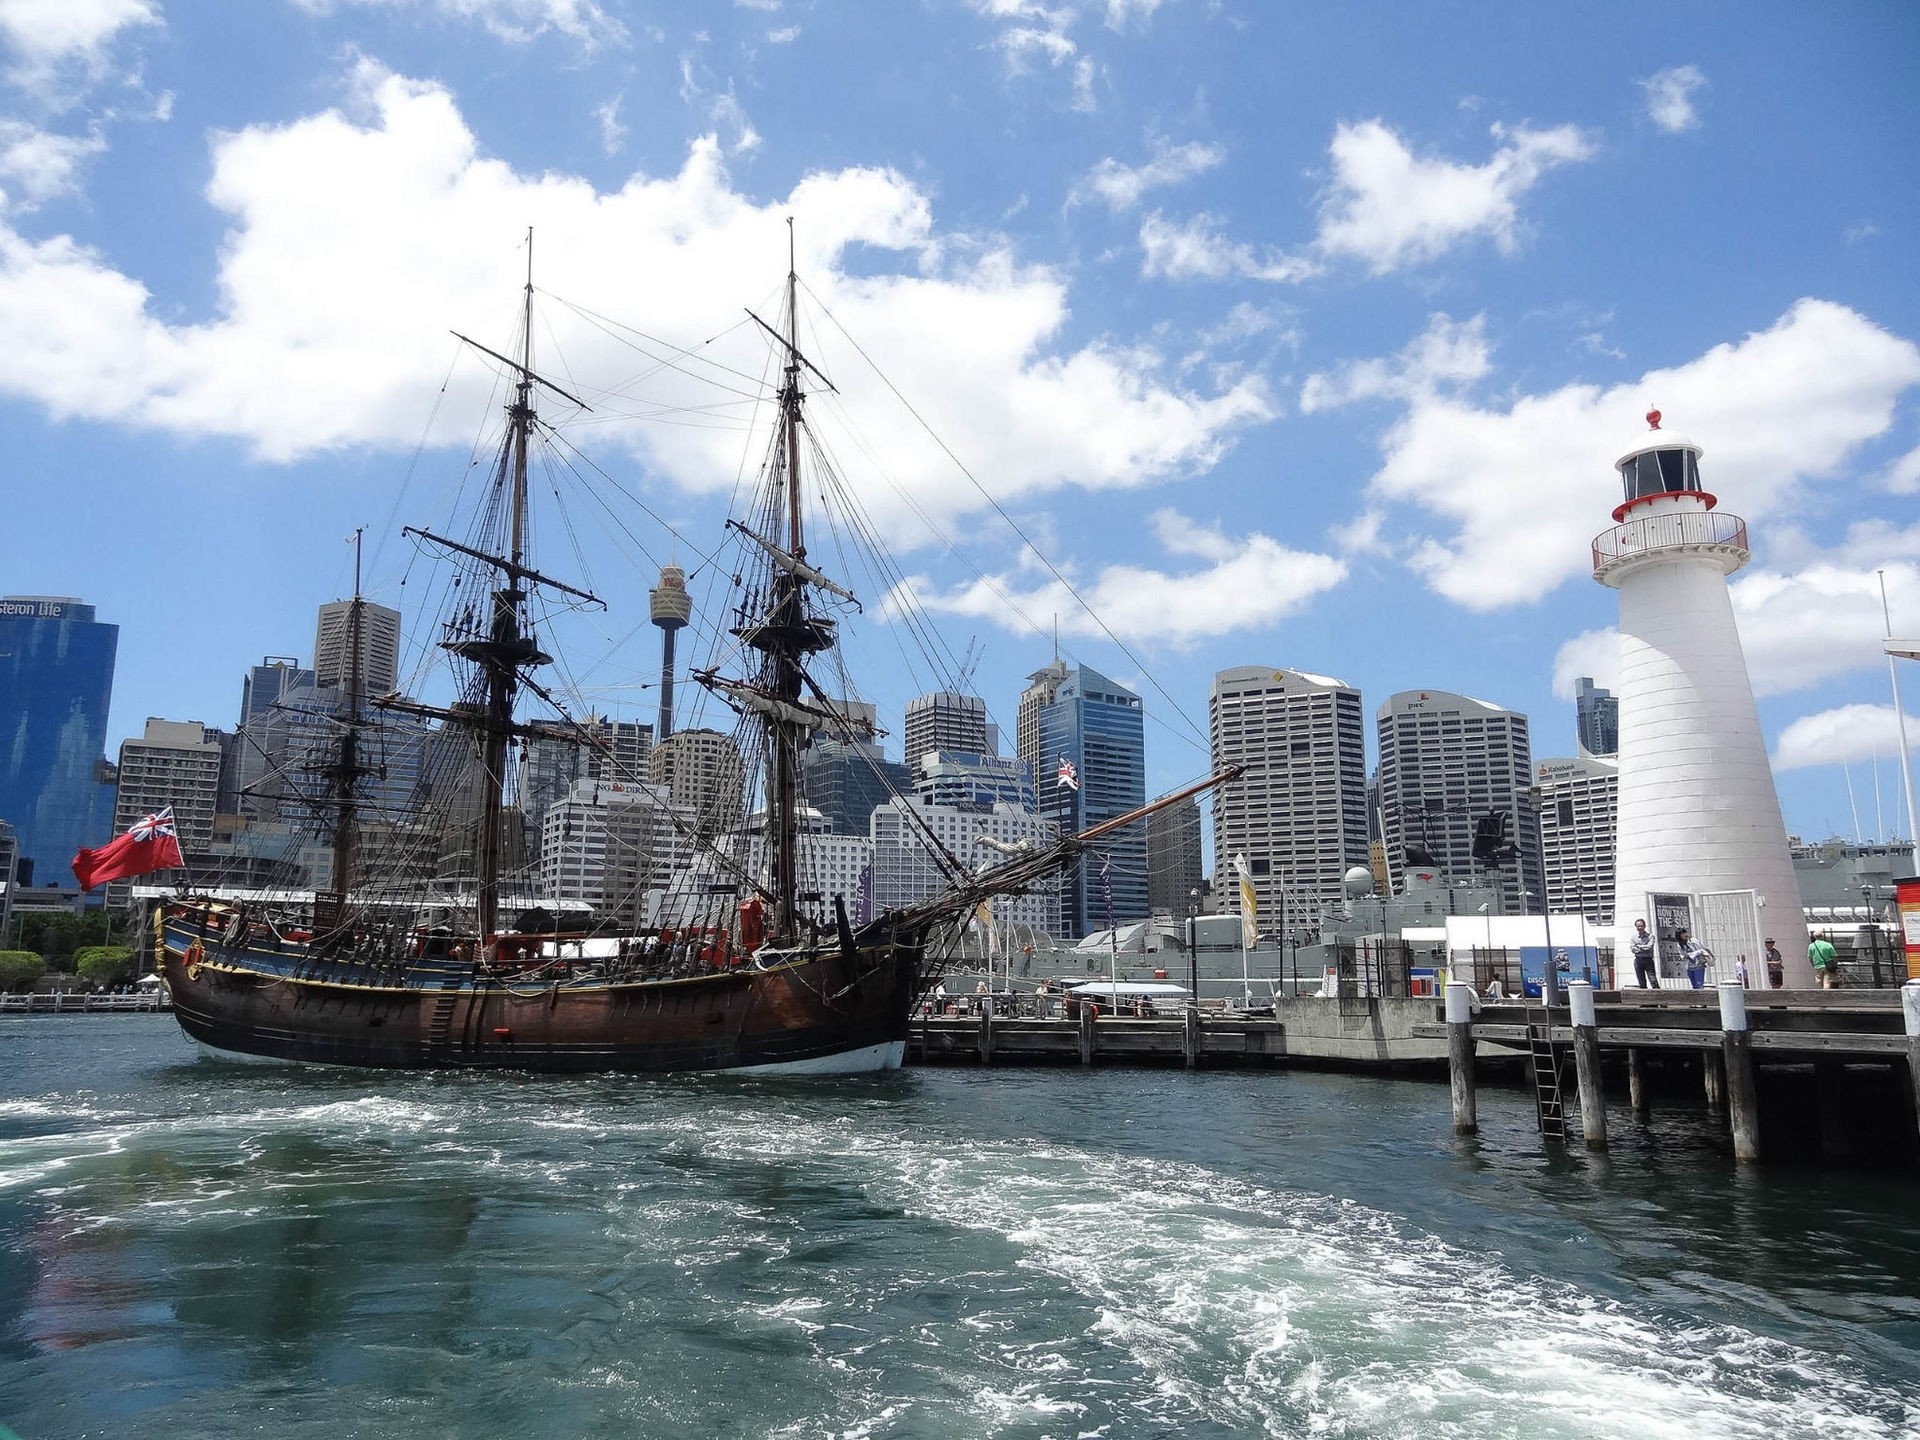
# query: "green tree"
{"points": [[19, 969], [104, 965], [55, 935]]}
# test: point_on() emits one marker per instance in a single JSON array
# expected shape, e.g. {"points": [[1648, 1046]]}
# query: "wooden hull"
{"points": [[821, 1013]]}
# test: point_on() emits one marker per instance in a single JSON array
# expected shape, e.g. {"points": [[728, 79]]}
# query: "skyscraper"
{"points": [[594, 748], [56, 679], [1597, 714], [379, 646], [947, 720], [1578, 798], [1083, 736], [1175, 869], [1299, 811], [845, 780], [1446, 763], [260, 744]]}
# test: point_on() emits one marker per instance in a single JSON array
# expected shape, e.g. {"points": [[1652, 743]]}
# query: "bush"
{"points": [[104, 965], [19, 969]]}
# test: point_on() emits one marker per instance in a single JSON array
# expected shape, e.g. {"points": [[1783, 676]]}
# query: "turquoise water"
{"points": [[190, 1247]]}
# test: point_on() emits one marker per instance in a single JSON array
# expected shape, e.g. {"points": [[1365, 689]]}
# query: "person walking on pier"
{"points": [[1644, 973], [1776, 966], [1826, 964]]}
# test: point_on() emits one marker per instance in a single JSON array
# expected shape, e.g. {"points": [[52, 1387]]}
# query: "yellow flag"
{"points": [[1249, 904]]}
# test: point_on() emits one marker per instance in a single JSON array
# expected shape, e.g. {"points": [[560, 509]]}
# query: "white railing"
{"points": [[1668, 532]]}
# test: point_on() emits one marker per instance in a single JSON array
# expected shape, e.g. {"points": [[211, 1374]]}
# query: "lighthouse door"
{"points": [[1730, 928]]}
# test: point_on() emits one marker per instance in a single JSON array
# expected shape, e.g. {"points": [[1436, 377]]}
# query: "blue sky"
{"points": [[1300, 335]]}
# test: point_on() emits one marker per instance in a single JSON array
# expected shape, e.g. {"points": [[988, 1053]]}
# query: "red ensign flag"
{"points": [[151, 844]]}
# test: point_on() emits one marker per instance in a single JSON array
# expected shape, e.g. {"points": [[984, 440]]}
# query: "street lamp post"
{"points": [[1193, 949]]}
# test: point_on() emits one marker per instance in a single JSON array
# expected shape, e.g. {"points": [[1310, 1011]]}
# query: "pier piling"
{"points": [[1713, 1075], [1736, 1054], [986, 1032], [1586, 1064], [1459, 1002], [1910, 1014], [1637, 1084], [1190, 1036], [1086, 1034]]}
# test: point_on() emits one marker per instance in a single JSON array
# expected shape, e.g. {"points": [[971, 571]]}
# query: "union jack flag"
{"points": [[148, 826], [1067, 775]]}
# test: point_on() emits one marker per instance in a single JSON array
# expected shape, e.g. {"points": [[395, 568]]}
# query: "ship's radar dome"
{"points": [[1357, 881]]}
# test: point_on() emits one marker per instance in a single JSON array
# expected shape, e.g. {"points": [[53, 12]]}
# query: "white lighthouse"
{"points": [[1699, 839]]}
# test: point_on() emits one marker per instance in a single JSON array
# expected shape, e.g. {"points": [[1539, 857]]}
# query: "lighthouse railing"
{"points": [[1672, 531]]}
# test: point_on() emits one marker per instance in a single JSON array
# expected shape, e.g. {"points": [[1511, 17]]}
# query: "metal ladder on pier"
{"points": [[1549, 1106]]}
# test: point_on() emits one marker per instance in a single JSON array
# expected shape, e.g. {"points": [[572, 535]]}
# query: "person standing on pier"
{"points": [[1776, 966], [1644, 972], [1826, 964]]}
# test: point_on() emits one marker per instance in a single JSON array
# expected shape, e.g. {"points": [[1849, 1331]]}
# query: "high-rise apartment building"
{"points": [[379, 646], [704, 776], [1174, 864], [905, 867], [1597, 715], [1083, 737], [948, 720], [1298, 812], [173, 763], [56, 680], [609, 844], [1578, 799], [1448, 762]]}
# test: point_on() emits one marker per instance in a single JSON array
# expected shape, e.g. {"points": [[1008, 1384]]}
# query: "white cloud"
{"points": [[1448, 353], [1119, 12], [1391, 208], [1798, 629], [785, 35], [1592, 653], [1845, 734], [1247, 583], [514, 20], [1854, 234], [1022, 44], [331, 333], [1121, 186], [1083, 97], [722, 110], [1526, 486], [1670, 97], [60, 45], [613, 132], [1805, 628], [1196, 250], [36, 165], [1902, 477]]}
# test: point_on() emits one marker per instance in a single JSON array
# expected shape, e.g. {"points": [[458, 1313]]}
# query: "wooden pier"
{"points": [[81, 1004], [1187, 1039], [1733, 1033]]}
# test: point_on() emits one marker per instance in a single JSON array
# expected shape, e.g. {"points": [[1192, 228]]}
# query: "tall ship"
{"points": [[429, 946]]}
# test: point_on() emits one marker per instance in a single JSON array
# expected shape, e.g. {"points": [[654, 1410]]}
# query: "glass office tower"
{"points": [[56, 679]]}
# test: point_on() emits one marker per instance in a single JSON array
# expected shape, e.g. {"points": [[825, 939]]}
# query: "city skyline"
{"points": [[1323, 375]]}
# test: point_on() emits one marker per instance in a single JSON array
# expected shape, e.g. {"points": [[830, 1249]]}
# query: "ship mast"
{"points": [[508, 649], [788, 617], [505, 647], [346, 771]]}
